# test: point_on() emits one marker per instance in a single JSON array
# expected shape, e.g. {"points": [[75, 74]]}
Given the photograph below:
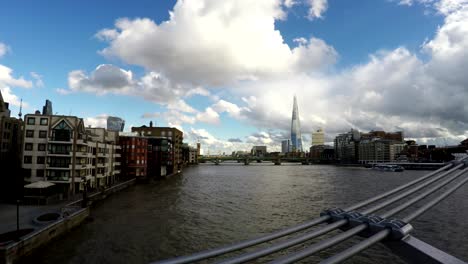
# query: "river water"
{"points": [[208, 206]]}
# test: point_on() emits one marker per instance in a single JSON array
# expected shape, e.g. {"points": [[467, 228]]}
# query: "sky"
{"points": [[225, 72]]}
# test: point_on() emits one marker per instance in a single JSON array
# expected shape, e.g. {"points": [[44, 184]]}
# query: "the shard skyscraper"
{"points": [[296, 138]]}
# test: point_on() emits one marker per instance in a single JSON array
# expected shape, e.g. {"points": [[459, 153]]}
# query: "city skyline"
{"points": [[239, 97]]}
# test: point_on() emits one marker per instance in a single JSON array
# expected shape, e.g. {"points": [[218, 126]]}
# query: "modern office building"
{"points": [[285, 146], [47, 108], [379, 150], [173, 143], [296, 138], [318, 137], [347, 146], [60, 150], [115, 124]]}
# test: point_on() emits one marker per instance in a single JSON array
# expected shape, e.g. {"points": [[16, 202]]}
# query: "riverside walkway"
{"points": [[373, 220]]}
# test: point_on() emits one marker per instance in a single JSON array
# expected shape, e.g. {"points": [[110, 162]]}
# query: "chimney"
{"points": [[151, 123]]}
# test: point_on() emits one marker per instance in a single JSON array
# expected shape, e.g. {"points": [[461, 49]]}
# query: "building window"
{"points": [[29, 133], [42, 134], [27, 159], [31, 120], [41, 147], [44, 121], [40, 173], [169, 133], [28, 146], [40, 160]]}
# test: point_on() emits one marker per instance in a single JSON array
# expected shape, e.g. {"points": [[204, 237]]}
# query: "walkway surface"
{"points": [[27, 214]]}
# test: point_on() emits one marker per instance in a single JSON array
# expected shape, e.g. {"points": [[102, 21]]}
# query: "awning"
{"points": [[39, 185]]}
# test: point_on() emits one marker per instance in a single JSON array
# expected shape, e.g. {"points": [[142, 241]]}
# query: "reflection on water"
{"points": [[209, 206]]}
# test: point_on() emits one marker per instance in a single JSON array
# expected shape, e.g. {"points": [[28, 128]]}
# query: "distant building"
{"points": [[285, 146], [193, 155], [317, 154], [318, 137], [173, 142], [116, 124], [379, 150], [346, 146], [296, 138], [259, 151], [47, 108]]}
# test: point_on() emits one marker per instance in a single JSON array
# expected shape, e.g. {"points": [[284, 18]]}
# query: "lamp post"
{"points": [[84, 202]]}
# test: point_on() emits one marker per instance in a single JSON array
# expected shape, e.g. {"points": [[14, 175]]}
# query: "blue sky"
{"points": [[234, 96]]}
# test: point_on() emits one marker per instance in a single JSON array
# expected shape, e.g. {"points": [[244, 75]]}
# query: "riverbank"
{"points": [[36, 233]]}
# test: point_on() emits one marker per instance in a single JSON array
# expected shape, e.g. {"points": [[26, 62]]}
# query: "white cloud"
{"points": [[224, 106], [97, 121], [290, 3], [317, 8], [7, 79], [11, 98], [211, 42], [4, 49], [38, 79], [154, 87], [208, 116]]}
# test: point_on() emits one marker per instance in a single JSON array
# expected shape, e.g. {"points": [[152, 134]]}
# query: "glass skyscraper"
{"points": [[115, 124], [296, 138]]}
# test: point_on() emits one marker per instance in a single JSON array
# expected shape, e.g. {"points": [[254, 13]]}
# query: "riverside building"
{"points": [[60, 150], [165, 148]]}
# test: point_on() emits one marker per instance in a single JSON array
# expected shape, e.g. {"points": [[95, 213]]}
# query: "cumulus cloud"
{"points": [[11, 98], [6, 78], [317, 8], [107, 78], [211, 42]]}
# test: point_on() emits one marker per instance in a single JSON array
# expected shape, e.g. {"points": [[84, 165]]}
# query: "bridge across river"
{"points": [[251, 159], [360, 219]]}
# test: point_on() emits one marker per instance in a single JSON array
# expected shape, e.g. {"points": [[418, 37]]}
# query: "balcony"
{"points": [[59, 141], [59, 153]]}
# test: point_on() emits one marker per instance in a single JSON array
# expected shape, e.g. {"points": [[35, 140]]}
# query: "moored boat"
{"points": [[388, 167]]}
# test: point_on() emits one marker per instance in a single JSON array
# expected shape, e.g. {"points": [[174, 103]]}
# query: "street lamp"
{"points": [[84, 202]]}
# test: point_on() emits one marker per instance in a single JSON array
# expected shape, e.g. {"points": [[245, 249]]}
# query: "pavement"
{"points": [[27, 214]]}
